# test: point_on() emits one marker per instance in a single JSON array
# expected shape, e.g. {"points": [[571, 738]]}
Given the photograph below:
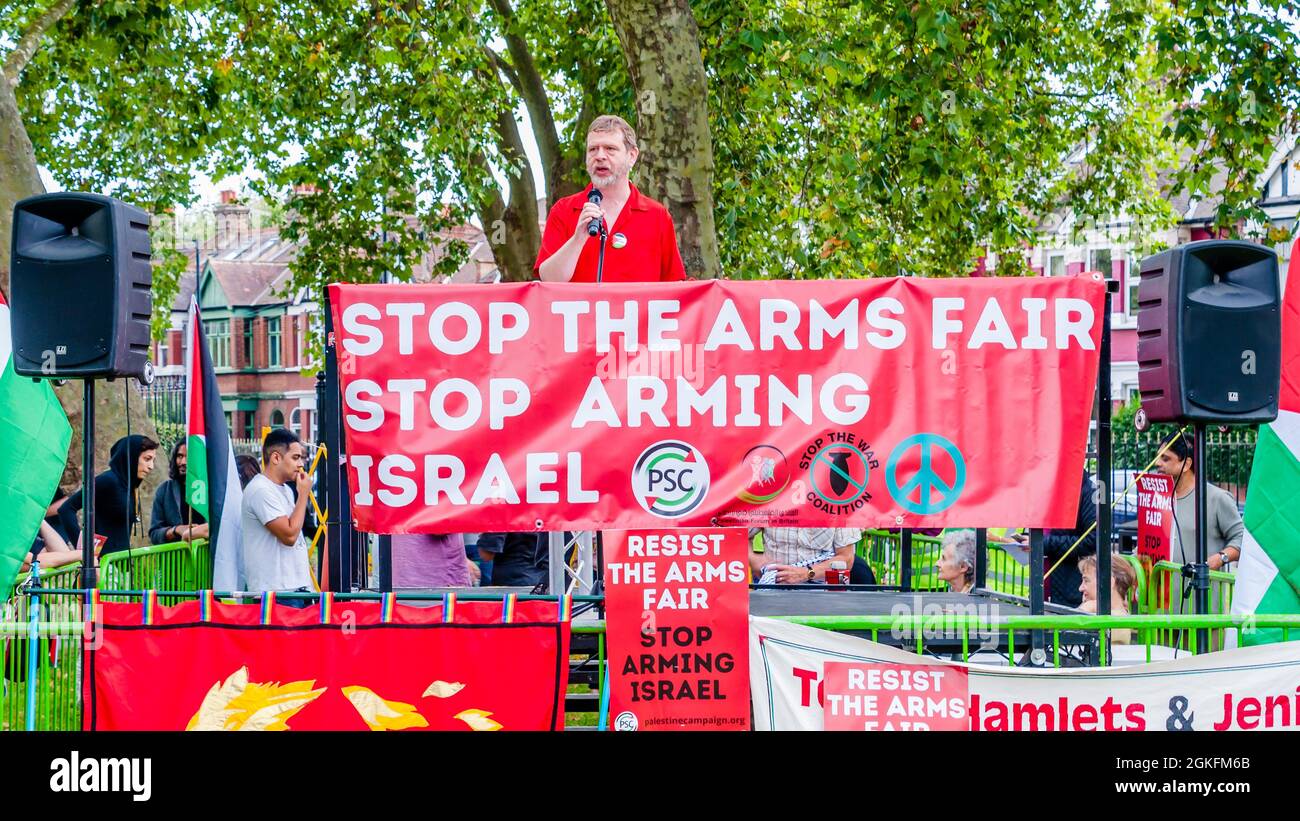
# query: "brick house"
{"points": [[256, 331], [1064, 247]]}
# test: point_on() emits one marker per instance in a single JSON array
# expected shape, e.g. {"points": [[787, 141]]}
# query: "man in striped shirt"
{"points": [[801, 555]]}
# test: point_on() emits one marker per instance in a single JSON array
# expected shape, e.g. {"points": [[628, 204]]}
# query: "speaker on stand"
{"points": [[1209, 352], [81, 303]]}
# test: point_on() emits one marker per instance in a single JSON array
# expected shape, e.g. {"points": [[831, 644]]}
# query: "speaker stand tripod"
{"points": [[1201, 569], [89, 559]]}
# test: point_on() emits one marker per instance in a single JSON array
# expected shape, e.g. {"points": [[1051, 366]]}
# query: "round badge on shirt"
{"points": [[619, 240]]}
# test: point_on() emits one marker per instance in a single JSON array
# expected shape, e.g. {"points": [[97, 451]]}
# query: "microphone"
{"points": [[593, 227]]}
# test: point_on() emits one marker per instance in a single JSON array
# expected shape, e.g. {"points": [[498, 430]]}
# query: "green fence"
{"points": [[1158, 593], [179, 566], [58, 672], [1166, 592], [175, 566], [1061, 633], [883, 551]]}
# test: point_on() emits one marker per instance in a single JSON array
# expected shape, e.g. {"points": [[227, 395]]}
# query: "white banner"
{"points": [[1252, 688]]}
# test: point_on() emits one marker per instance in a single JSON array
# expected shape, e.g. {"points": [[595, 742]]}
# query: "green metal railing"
{"points": [[184, 566], [1005, 574], [58, 671], [180, 566], [883, 551], [1061, 632], [1163, 595], [58, 674]]}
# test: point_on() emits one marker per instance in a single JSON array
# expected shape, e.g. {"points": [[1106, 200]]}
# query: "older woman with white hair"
{"points": [[956, 563]]}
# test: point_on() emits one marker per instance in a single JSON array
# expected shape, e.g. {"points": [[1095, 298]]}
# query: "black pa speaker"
{"points": [[80, 283], [1210, 333]]}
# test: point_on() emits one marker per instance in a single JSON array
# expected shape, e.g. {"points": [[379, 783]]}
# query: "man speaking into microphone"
{"points": [[640, 241]]}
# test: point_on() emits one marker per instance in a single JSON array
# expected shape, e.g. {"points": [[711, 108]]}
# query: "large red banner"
{"points": [[872, 403], [490, 666], [677, 624]]}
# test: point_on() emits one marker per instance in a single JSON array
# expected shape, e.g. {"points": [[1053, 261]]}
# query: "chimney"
{"points": [[234, 221]]}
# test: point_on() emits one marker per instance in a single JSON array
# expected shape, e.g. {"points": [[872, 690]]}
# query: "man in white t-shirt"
{"points": [[275, 552]]}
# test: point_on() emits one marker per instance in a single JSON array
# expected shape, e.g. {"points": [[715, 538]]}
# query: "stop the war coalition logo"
{"points": [[839, 465], [670, 479]]}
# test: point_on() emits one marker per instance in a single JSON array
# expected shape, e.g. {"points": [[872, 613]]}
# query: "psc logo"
{"points": [[670, 479], [626, 721]]}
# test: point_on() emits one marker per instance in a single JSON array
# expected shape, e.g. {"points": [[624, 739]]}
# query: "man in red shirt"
{"points": [[641, 245]]}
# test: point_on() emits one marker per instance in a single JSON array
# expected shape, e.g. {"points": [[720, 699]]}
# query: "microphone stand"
{"points": [[599, 581], [600, 255]]}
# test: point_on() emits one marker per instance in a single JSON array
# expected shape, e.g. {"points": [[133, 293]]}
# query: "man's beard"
{"points": [[619, 172]]}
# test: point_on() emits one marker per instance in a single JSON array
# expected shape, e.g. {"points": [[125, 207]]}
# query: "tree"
{"points": [[946, 132], [804, 139], [662, 47], [96, 92]]}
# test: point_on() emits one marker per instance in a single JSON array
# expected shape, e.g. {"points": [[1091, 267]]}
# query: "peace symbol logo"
{"points": [[926, 479]]}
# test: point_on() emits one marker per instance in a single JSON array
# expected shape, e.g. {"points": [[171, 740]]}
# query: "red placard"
{"points": [[1155, 516], [1155, 526], [677, 622], [478, 671], [895, 697], [867, 403]]}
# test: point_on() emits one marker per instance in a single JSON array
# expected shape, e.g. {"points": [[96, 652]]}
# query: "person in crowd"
{"points": [[173, 519], [432, 560], [51, 548], [956, 563], [52, 512], [247, 467], [1063, 583], [1122, 582], [117, 504], [641, 244], [517, 559], [801, 555], [275, 552], [1224, 528]]}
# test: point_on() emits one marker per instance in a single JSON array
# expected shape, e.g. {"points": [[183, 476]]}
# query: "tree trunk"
{"points": [[19, 179], [18, 175], [661, 44], [512, 227]]}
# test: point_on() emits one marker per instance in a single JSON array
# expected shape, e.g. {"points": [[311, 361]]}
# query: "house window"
{"points": [[250, 428], [163, 357], [277, 418], [1056, 265], [230, 423], [1100, 261], [1133, 273], [295, 423], [248, 343], [273, 342], [218, 333]]}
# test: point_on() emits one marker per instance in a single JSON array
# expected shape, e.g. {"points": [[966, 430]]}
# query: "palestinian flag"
{"points": [[211, 477], [34, 437], [1268, 576]]}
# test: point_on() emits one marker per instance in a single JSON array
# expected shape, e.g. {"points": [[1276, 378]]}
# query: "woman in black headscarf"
{"points": [[116, 503], [173, 519]]}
